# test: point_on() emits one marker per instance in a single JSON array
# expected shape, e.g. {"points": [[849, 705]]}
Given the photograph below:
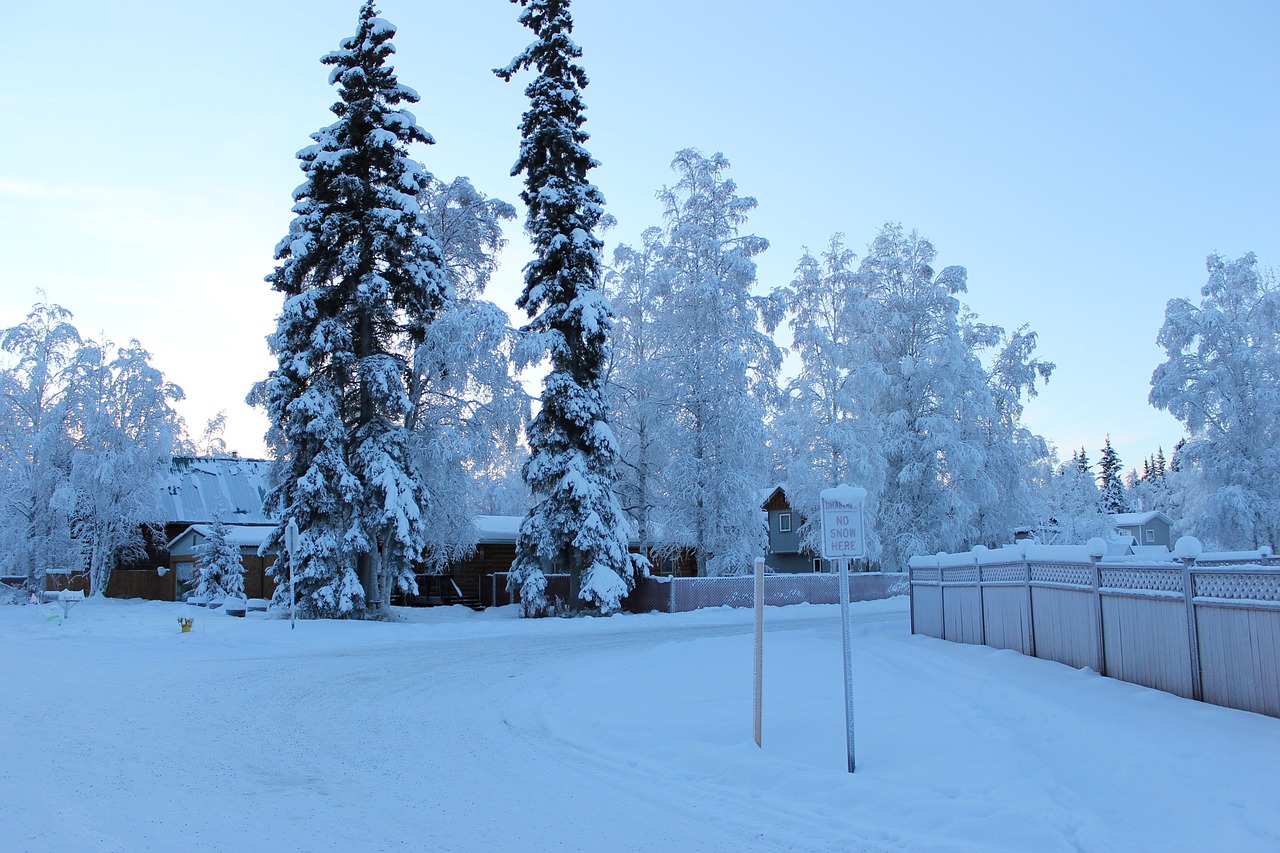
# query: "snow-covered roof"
{"points": [[240, 535], [201, 489], [497, 529], [1153, 552], [1127, 519]]}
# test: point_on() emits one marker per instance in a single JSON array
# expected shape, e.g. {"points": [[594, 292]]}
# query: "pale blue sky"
{"points": [[1079, 158]]}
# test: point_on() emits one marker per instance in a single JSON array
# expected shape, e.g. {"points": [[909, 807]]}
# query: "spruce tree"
{"points": [[220, 569], [1113, 499], [576, 525], [361, 281]]}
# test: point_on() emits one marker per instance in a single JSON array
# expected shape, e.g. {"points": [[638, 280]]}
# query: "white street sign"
{"points": [[843, 537]]}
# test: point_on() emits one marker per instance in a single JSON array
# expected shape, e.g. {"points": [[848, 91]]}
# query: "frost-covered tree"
{"points": [[1221, 378], [219, 569], [362, 281], [124, 431], [577, 525], [1072, 509], [927, 390], [36, 497], [1111, 490], [638, 390], [468, 410], [831, 434], [721, 365]]}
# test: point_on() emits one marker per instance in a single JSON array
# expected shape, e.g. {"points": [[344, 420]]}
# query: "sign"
{"points": [[843, 536]]}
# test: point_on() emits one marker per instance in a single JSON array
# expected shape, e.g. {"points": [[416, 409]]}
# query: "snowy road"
{"points": [[463, 732]]}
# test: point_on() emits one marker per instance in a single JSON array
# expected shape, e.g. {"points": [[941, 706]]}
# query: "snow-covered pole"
{"points": [[759, 671], [844, 537], [291, 545]]}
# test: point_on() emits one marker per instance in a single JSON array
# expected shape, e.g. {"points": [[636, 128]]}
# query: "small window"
{"points": [[1150, 536], [817, 565], [784, 522]]}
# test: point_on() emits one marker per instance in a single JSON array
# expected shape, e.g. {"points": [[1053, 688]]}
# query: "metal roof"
{"points": [[201, 489]]}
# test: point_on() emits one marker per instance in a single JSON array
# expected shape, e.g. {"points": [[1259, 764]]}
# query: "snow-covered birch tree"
{"points": [[362, 281], [641, 398], [468, 411], [36, 498], [721, 365], [576, 525], [829, 429], [124, 431], [1221, 378]]}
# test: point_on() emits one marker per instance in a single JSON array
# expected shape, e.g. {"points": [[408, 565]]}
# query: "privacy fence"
{"points": [[1207, 629], [680, 595]]}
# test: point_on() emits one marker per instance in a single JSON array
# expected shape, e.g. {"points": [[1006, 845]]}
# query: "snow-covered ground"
{"points": [[453, 730]]}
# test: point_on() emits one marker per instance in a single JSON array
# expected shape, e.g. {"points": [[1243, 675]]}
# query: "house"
{"points": [[1146, 528], [785, 553]]}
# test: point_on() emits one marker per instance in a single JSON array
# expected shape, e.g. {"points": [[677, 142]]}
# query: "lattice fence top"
{"points": [[926, 574], [959, 574], [1064, 573], [1146, 579], [1004, 573], [1249, 586]]}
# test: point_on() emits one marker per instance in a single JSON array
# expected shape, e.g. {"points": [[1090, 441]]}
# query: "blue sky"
{"points": [[1079, 159]]}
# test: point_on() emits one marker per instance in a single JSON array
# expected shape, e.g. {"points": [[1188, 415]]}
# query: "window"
{"points": [[1149, 536], [784, 522], [817, 565]]}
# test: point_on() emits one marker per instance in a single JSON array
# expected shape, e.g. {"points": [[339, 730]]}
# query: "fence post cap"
{"points": [[1187, 548]]}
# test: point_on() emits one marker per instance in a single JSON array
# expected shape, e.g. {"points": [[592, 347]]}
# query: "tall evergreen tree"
{"points": [[362, 280], [1110, 485], [577, 525]]}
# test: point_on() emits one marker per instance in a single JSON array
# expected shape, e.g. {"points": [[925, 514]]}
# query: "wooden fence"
{"points": [[1207, 630], [665, 594]]}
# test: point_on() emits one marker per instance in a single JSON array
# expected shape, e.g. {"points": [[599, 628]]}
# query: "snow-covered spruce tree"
{"points": [[1110, 485], [577, 525], [36, 497], [721, 365], [220, 571], [362, 281], [124, 431], [1221, 378], [831, 436]]}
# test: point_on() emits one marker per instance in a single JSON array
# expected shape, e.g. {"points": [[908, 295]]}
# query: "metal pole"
{"points": [[759, 671], [848, 657], [291, 543]]}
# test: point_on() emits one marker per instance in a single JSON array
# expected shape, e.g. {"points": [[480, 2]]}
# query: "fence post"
{"points": [[982, 605], [1097, 617], [1193, 634], [1031, 612], [671, 605]]}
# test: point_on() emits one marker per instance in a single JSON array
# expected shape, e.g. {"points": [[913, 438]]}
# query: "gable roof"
{"points": [[1129, 519], [202, 488], [240, 535]]}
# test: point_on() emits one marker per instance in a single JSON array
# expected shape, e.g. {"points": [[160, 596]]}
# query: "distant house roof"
{"points": [[1128, 519], [240, 535], [201, 489], [775, 498]]}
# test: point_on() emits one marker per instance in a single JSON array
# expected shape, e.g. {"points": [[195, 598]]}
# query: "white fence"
{"points": [[1206, 630]]}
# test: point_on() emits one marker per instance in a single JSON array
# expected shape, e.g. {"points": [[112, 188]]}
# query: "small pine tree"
{"points": [[577, 525], [220, 571]]}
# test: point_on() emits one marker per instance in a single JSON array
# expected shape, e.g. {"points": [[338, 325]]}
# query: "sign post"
{"points": [[291, 545], [844, 538], [759, 682]]}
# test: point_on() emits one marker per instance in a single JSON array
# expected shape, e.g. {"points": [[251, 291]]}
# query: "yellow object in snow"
{"points": [[186, 622]]}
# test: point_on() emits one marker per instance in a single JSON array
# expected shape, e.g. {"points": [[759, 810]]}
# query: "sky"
{"points": [[1080, 160]]}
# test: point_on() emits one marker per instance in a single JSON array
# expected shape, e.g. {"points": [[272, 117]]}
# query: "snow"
{"points": [[489, 732]]}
